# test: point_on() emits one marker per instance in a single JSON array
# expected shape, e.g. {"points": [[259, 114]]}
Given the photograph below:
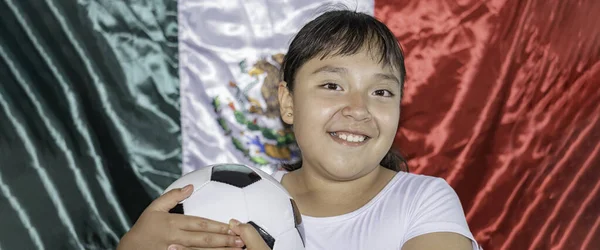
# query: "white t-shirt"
{"points": [[410, 205]]}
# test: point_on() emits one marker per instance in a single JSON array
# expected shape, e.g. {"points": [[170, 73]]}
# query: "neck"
{"points": [[321, 195]]}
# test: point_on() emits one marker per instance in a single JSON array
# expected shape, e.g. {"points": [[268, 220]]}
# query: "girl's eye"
{"points": [[332, 86], [383, 92]]}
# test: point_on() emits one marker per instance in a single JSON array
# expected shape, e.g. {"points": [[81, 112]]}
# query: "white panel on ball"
{"points": [[197, 178], [217, 201], [267, 209]]}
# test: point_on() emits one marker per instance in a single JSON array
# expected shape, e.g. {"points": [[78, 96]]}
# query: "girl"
{"points": [[343, 79]]}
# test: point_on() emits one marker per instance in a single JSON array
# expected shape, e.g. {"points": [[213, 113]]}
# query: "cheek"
{"points": [[314, 110], [388, 121]]}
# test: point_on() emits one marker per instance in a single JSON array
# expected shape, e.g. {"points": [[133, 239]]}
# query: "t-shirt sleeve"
{"points": [[437, 208]]}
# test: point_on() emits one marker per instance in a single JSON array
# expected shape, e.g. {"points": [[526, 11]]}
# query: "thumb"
{"points": [[170, 199], [249, 235]]}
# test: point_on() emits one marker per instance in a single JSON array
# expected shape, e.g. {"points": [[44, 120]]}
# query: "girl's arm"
{"points": [[441, 241]]}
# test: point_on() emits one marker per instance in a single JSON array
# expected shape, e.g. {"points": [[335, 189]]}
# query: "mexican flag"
{"points": [[104, 103]]}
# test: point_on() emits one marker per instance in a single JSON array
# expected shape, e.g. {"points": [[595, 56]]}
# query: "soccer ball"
{"points": [[234, 191]]}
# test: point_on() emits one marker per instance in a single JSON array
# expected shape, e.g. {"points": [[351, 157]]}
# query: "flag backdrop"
{"points": [[105, 103]]}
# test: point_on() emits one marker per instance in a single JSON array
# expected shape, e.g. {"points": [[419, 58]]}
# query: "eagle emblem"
{"points": [[250, 115]]}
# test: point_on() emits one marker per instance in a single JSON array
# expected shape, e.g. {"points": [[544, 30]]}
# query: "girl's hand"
{"points": [[158, 229], [249, 235]]}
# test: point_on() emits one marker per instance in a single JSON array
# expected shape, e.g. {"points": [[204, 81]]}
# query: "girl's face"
{"points": [[345, 112]]}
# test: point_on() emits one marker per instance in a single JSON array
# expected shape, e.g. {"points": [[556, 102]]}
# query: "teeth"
{"points": [[349, 137]]}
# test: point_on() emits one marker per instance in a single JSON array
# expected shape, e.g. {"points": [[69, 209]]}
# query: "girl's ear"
{"points": [[286, 103]]}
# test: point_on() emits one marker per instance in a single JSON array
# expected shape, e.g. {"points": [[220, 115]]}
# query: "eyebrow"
{"points": [[330, 69], [388, 77], [341, 70]]}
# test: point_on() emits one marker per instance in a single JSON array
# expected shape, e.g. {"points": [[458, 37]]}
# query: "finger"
{"points": [[180, 247], [169, 200], [249, 235], [199, 224], [206, 240]]}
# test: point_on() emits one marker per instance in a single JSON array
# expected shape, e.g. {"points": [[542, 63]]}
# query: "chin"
{"points": [[347, 171]]}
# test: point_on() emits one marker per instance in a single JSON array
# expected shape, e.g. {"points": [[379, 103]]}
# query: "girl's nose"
{"points": [[356, 107]]}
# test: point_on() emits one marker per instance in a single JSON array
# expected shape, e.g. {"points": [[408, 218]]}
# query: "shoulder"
{"points": [[421, 186], [423, 195], [428, 195], [417, 197]]}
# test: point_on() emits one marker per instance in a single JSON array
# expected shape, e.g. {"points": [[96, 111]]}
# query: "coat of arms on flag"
{"points": [[249, 112]]}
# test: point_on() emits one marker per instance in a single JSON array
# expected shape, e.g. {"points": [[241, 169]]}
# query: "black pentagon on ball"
{"points": [[235, 175], [177, 209], [264, 234], [297, 220]]}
